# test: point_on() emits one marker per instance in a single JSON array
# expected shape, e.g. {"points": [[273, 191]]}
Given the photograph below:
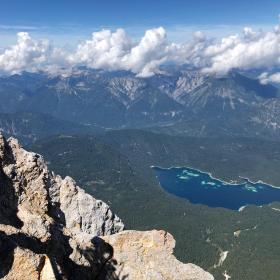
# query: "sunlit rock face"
{"points": [[51, 229], [149, 255]]}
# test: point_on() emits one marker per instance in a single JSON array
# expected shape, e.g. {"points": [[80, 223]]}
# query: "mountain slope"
{"points": [[122, 177], [181, 101], [51, 229], [29, 126]]}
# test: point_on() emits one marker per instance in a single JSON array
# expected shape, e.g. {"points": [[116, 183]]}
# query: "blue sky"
{"points": [[140, 36], [74, 20], [127, 12]]}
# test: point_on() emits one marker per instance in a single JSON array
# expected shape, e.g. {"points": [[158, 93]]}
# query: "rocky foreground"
{"points": [[51, 229]]}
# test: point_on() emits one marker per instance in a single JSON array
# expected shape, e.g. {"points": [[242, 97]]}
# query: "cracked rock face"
{"points": [[51, 229], [149, 255]]}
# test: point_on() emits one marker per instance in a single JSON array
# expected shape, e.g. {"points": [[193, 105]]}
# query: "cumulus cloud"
{"points": [[252, 50], [32, 55], [104, 50], [27, 54], [266, 78], [115, 50]]}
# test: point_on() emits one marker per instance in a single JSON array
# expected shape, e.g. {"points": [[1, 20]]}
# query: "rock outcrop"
{"points": [[51, 229], [148, 255]]}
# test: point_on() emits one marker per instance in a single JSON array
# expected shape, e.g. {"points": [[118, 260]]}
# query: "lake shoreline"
{"points": [[231, 182], [202, 187]]}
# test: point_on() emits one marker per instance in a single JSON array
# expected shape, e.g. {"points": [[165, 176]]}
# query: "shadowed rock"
{"points": [[51, 229]]}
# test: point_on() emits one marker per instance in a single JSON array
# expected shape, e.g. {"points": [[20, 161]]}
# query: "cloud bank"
{"points": [[115, 50]]}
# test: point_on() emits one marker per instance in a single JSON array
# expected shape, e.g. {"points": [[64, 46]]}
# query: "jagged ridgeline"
{"points": [[176, 101], [51, 229]]}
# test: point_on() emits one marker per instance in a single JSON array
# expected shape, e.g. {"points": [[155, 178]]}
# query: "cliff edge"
{"points": [[51, 229]]}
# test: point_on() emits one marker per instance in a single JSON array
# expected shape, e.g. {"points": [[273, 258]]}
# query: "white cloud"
{"points": [[146, 56], [104, 50], [252, 50], [117, 51], [27, 55], [266, 78]]}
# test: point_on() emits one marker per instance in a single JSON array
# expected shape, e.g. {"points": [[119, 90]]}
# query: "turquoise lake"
{"points": [[199, 187]]}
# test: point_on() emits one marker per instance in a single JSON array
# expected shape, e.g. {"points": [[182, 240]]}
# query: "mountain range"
{"points": [[178, 100], [107, 128]]}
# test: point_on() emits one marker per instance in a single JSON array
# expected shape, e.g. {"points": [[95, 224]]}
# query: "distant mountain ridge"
{"points": [[30, 126], [176, 97]]}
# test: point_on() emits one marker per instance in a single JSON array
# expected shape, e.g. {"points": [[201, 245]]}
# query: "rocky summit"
{"points": [[52, 229]]}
